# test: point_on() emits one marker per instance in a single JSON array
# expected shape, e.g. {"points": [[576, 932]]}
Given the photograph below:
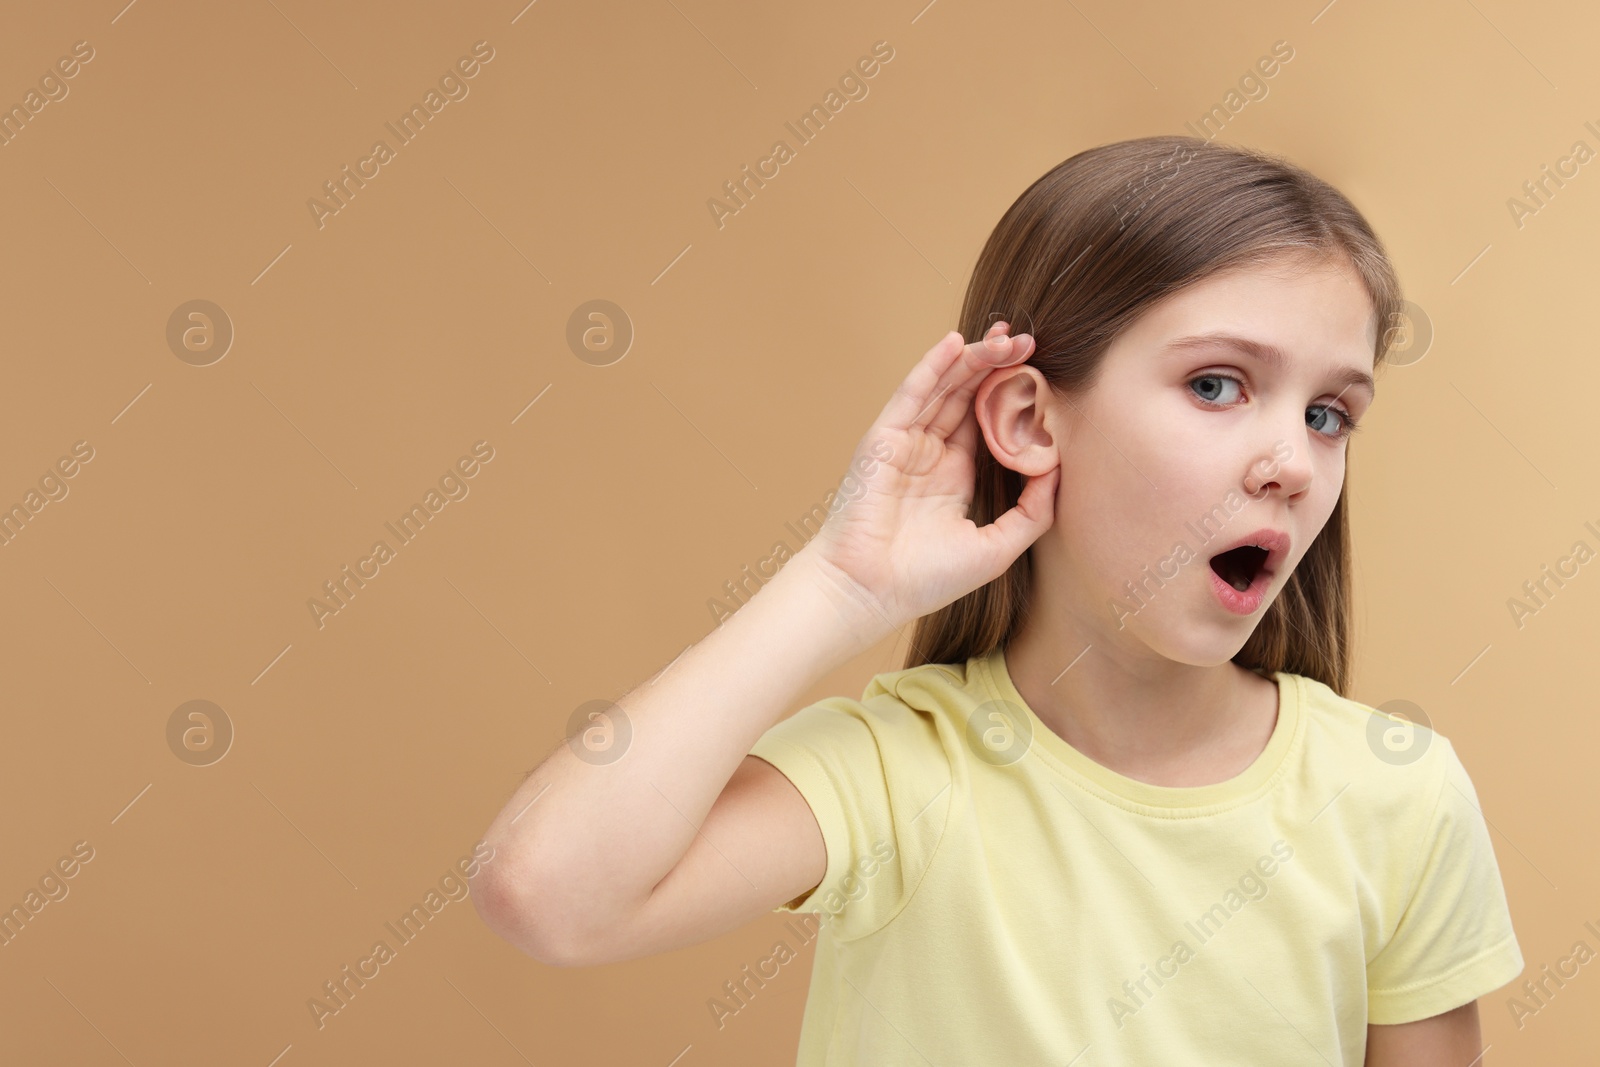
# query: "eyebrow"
{"points": [[1268, 354]]}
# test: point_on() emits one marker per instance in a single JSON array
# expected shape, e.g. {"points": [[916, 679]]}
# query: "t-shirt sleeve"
{"points": [[1454, 941], [876, 778]]}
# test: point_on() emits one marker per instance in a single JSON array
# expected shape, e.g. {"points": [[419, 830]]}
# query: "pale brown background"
{"points": [[370, 754]]}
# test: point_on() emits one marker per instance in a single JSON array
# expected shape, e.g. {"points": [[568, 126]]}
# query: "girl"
{"points": [[1115, 808]]}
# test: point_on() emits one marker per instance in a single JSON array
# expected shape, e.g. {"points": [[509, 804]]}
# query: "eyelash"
{"points": [[1348, 423]]}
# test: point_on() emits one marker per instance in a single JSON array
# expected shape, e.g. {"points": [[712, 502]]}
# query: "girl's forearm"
{"points": [[582, 840]]}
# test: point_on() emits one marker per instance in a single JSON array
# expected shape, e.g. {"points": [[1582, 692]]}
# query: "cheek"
{"points": [[1328, 483], [1330, 475], [1148, 435], [1140, 465], [1112, 523], [1186, 449]]}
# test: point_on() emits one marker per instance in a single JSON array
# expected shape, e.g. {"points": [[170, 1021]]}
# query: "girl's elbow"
{"points": [[504, 900]]}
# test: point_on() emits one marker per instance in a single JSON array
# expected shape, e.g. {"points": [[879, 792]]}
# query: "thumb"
{"points": [[1034, 513]]}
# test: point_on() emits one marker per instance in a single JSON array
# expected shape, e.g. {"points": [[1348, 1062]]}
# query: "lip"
{"points": [[1248, 601], [1276, 542], [1241, 601]]}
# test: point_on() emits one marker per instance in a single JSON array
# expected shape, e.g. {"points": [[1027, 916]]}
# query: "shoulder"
{"points": [[931, 688], [932, 704], [902, 733], [877, 773], [1389, 760], [912, 707]]}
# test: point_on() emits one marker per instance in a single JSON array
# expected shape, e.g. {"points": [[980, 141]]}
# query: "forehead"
{"points": [[1319, 298], [1317, 312]]}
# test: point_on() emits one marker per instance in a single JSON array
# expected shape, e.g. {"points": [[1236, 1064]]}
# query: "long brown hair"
{"points": [[1081, 254]]}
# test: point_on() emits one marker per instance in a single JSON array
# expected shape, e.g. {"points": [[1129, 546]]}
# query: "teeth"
{"points": [[1241, 587]]}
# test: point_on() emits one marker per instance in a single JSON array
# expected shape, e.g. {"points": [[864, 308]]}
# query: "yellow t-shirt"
{"points": [[994, 896]]}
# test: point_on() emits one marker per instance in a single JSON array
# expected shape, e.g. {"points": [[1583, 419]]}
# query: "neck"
{"points": [[1139, 713]]}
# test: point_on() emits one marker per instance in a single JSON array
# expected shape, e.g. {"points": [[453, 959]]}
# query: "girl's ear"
{"points": [[1020, 421]]}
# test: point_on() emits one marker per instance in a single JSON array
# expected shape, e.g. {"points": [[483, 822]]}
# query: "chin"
{"points": [[1204, 646], [1217, 658]]}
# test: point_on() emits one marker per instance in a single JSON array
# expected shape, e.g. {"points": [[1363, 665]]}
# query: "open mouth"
{"points": [[1239, 566]]}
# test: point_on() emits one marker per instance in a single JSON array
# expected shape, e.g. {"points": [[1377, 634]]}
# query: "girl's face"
{"points": [[1187, 444]]}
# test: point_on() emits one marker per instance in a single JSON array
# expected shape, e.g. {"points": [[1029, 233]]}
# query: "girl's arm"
{"points": [[1449, 1040], [686, 835]]}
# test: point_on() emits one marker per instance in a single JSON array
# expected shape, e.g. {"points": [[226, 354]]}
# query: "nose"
{"points": [[1282, 468]]}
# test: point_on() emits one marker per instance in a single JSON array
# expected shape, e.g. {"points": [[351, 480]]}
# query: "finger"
{"points": [[911, 396], [1035, 511], [945, 367], [964, 438], [994, 352]]}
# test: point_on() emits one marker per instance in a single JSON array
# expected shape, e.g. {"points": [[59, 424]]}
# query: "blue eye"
{"points": [[1215, 385], [1347, 425], [1210, 394]]}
